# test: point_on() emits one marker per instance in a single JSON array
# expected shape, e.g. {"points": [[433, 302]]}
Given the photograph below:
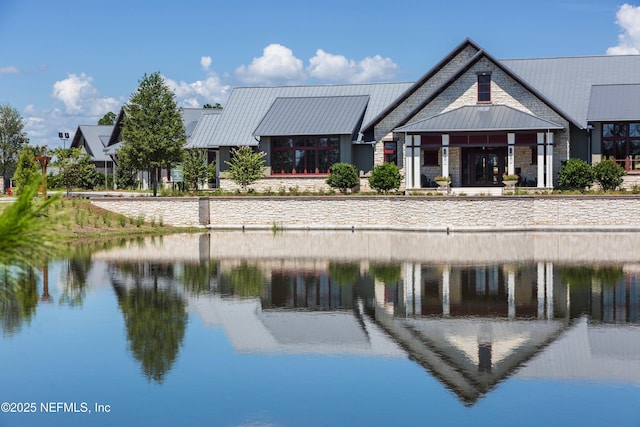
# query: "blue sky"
{"points": [[67, 62]]}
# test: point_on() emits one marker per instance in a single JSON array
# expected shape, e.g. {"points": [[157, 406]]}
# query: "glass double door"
{"points": [[483, 167]]}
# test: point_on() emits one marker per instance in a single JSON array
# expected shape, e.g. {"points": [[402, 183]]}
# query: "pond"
{"points": [[327, 329]]}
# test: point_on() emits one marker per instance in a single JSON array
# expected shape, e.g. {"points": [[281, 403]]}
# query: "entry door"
{"points": [[484, 167]]}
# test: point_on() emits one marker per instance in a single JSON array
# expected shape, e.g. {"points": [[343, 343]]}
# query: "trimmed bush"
{"points": [[385, 177], [343, 176], [608, 174], [576, 174]]}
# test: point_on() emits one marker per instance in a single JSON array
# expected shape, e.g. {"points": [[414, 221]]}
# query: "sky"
{"points": [[66, 63]]}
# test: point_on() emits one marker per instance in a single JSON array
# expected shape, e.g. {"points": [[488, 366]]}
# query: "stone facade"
{"points": [[528, 213]]}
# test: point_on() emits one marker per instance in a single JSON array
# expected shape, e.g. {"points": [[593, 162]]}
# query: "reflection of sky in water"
{"points": [[247, 362]]}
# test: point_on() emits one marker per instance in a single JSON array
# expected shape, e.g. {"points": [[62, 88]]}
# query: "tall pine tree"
{"points": [[153, 135]]}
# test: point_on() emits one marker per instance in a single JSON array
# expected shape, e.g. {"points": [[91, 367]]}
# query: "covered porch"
{"points": [[476, 146]]}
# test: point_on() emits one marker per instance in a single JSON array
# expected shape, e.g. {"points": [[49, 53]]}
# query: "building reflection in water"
{"points": [[470, 324]]}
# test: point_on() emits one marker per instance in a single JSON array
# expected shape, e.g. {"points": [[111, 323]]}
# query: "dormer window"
{"points": [[484, 87]]}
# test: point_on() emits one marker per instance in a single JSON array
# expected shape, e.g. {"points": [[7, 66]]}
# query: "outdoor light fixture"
{"points": [[63, 136]]}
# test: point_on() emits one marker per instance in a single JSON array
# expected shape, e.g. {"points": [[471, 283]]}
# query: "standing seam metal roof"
{"points": [[568, 81], [331, 115], [247, 106], [476, 118], [94, 136], [614, 102]]}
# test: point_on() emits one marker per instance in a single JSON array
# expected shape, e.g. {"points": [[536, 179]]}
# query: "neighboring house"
{"points": [[471, 117], [93, 139], [190, 118]]}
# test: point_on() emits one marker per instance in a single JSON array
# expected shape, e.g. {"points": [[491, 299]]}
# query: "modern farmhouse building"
{"points": [[471, 117]]}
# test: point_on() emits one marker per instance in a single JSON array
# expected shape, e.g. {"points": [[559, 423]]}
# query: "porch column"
{"points": [[540, 160], [417, 182], [511, 154], [412, 161], [408, 164], [549, 159], [549, 290], [445, 154]]}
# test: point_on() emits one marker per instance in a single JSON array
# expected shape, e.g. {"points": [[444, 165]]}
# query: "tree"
{"points": [[108, 119], [385, 177], [73, 166], [153, 135], [12, 138], [246, 166], [343, 176], [608, 174], [194, 169], [27, 168], [216, 106]]}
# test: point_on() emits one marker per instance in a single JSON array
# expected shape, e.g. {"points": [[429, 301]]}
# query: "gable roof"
{"points": [[94, 137], [568, 81], [614, 102], [247, 106], [329, 115], [485, 118], [445, 83]]}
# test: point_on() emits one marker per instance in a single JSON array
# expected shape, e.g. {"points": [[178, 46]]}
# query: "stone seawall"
{"points": [[522, 213]]}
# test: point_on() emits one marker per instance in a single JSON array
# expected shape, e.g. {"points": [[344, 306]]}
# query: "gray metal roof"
{"points": [[484, 118], [247, 106], [204, 129], [614, 102], [567, 82], [330, 115], [94, 140]]}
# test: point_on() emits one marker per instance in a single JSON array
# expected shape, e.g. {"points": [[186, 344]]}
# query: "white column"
{"points": [[541, 160], [549, 159], [541, 289], [417, 289], [408, 163], [445, 155], [511, 293], [549, 290], [511, 154], [445, 291], [416, 161]]}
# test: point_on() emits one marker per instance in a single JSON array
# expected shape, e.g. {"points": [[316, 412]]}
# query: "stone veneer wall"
{"points": [[389, 213]]}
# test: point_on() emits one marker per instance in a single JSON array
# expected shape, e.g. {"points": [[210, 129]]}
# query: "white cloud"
{"points": [[277, 65], [9, 70], [205, 62], [80, 97], [210, 90], [628, 18], [337, 68]]}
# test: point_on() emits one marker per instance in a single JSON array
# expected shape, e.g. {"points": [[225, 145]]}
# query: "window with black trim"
{"points": [[430, 157], [304, 154], [621, 143], [484, 87], [391, 152]]}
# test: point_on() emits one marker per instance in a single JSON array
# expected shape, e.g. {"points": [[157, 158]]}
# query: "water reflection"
{"points": [[155, 314], [472, 325]]}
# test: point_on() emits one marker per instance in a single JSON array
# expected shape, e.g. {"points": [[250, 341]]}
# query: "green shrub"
{"points": [[608, 174], [385, 177], [343, 176], [576, 174]]}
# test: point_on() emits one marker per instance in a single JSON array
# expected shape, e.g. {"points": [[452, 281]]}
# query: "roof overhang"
{"points": [[480, 118], [614, 103]]}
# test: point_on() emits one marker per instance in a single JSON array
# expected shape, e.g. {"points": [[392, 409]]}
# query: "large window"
{"points": [[304, 154], [621, 143]]}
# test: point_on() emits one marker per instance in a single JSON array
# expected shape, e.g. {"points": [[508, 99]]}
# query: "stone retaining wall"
{"points": [[521, 213]]}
